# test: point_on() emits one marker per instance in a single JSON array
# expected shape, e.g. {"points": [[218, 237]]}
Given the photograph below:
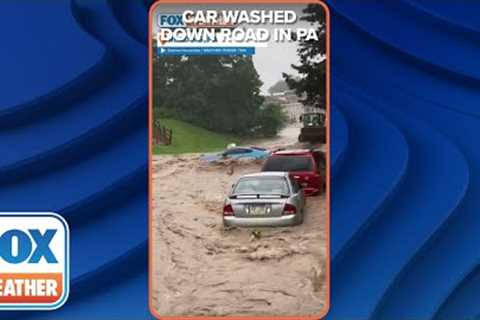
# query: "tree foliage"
{"points": [[310, 85], [270, 118], [219, 93]]}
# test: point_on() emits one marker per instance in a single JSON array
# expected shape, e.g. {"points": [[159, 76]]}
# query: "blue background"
{"points": [[405, 152]]}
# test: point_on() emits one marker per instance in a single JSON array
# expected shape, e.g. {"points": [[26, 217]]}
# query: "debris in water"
{"points": [[255, 235]]}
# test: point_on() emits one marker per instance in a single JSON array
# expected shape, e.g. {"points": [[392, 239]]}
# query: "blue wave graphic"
{"points": [[412, 62], [405, 157], [73, 126]]}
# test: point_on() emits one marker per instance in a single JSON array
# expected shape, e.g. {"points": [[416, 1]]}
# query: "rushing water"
{"points": [[201, 268]]}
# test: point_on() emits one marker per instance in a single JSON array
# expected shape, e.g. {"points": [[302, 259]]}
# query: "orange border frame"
{"points": [[324, 311]]}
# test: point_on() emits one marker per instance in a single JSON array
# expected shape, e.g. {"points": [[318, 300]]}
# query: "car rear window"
{"points": [[288, 163], [261, 185]]}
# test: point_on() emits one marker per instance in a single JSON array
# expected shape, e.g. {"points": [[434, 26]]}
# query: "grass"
{"points": [[190, 139]]}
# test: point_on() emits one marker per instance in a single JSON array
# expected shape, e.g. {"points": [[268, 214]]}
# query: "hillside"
{"points": [[188, 139]]}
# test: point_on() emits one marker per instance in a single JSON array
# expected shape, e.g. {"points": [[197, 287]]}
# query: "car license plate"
{"points": [[256, 210]]}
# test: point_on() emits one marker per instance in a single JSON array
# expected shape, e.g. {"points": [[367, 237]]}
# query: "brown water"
{"points": [[201, 268]]}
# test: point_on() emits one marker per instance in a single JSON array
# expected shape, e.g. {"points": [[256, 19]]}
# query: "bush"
{"points": [[269, 120]]}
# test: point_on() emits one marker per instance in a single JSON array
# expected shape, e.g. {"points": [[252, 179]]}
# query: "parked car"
{"points": [[305, 166], [237, 153], [265, 199]]}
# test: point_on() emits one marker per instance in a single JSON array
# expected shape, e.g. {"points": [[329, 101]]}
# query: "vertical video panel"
{"points": [[239, 159]]}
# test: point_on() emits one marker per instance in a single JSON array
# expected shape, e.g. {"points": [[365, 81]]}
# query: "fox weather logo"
{"points": [[34, 261]]}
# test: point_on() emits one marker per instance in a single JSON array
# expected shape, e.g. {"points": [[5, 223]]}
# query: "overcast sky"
{"points": [[273, 60], [270, 61]]}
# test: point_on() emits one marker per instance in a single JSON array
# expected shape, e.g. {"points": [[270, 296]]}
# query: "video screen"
{"points": [[239, 172]]}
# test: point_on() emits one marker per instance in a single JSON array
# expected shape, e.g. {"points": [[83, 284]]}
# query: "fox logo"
{"points": [[17, 246], [171, 20]]}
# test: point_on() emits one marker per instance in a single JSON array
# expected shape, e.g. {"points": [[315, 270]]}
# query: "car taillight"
{"points": [[228, 210], [289, 209]]}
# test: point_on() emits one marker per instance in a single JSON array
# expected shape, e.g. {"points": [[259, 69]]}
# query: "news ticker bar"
{"points": [[206, 51]]}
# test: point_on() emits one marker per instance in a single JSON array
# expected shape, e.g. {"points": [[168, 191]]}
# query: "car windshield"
{"points": [[311, 119], [288, 163], [261, 185]]}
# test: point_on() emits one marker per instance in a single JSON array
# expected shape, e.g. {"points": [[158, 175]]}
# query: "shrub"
{"points": [[269, 120]]}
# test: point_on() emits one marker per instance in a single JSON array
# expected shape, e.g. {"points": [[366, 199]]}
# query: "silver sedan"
{"points": [[266, 199]]}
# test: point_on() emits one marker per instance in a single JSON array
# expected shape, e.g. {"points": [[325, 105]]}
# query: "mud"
{"points": [[202, 268]]}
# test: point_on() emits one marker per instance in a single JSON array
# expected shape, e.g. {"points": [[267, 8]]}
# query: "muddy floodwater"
{"points": [[202, 268]]}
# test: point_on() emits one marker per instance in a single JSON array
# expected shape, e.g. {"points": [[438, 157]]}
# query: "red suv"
{"points": [[303, 165]]}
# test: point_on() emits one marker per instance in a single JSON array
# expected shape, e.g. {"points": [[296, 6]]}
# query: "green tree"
{"points": [[310, 85], [270, 118], [220, 93]]}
